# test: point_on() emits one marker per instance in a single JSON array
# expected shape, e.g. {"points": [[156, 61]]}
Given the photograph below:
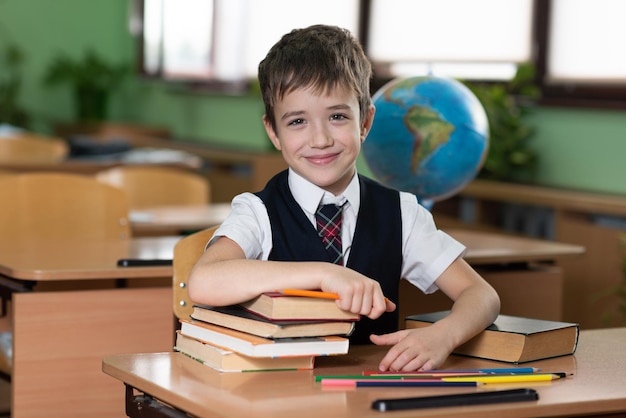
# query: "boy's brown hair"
{"points": [[319, 56]]}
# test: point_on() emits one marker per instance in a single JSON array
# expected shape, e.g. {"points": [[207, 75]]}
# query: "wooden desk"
{"points": [[176, 219], [76, 314], [525, 272], [596, 221], [597, 386]]}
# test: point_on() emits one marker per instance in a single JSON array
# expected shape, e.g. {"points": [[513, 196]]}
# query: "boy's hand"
{"points": [[414, 349], [358, 294]]}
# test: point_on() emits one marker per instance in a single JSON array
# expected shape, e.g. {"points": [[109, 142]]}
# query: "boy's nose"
{"points": [[321, 138]]}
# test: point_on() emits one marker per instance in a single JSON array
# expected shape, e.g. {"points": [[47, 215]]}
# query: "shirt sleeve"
{"points": [[248, 225], [426, 251]]}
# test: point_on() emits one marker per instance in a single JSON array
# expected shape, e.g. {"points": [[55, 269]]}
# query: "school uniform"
{"points": [[386, 235]]}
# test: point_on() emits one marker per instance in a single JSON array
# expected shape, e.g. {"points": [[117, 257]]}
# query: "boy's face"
{"points": [[320, 135]]}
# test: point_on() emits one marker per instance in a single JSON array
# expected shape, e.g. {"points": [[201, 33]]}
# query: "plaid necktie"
{"points": [[328, 218]]}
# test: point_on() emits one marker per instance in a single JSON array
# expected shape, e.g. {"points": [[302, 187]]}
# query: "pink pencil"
{"points": [[351, 383]]}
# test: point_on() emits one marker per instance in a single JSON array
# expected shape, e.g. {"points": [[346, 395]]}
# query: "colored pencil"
{"points": [[309, 293], [393, 383], [537, 377], [407, 376], [484, 370], [312, 293]]}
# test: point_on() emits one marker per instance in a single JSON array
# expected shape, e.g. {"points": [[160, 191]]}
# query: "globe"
{"points": [[429, 137]]}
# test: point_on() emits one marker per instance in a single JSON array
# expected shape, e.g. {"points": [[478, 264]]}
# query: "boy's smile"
{"points": [[319, 134]]}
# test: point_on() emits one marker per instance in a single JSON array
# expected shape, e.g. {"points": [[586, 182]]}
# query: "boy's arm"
{"points": [[223, 276], [476, 305]]}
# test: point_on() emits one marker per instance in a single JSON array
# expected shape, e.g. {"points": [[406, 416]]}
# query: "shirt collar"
{"points": [[309, 196]]}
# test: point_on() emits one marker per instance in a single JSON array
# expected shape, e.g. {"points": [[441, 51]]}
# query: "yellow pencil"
{"points": [[536, 377]]}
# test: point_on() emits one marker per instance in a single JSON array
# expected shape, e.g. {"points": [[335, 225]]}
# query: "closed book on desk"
{"points": [[240, 319], [277, 306], [512, 339], [230, 361], [254, 346]]}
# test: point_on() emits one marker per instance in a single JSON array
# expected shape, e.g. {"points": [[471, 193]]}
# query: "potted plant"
{"points": [[11, 59], [91, 78], [509, 158]]}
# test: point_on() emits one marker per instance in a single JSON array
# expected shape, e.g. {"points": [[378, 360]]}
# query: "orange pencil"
{"points": [[309, 293], [312, 293]]}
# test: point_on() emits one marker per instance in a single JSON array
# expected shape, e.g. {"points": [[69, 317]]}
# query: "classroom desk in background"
{"points": [[524, 271], [68, 312], [185, 386], [164, 220]]}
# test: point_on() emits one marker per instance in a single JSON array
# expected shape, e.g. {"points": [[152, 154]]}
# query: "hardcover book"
{"points": [[512, 339], [240, 319], [255, 346], [277, 306], [230, 361]]}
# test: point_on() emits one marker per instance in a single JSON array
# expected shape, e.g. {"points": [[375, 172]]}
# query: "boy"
{"points": [[318, 110]]}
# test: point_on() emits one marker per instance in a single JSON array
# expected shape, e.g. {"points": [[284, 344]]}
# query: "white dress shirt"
{"points": [[426, 251]]}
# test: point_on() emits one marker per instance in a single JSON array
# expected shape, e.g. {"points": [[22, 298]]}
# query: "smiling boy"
{"points": [[318, 111]]}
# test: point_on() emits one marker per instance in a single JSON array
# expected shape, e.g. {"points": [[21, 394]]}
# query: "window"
{"points": [[224, 40], [587, 41], [483, 39], [578, 46], [581, 55]]}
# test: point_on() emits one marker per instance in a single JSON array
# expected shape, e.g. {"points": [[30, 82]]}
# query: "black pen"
{"points": [[474, 398], [142, 262]]}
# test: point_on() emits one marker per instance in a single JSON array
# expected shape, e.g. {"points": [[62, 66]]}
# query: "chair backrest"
{"points": [[186, 252], [43, 205], [25, 149], [149, 186]]}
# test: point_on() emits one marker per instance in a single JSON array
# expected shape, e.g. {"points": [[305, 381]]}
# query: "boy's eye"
{"points": [[338, 116], [298, 121]]}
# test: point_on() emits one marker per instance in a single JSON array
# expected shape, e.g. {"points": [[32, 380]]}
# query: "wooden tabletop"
{"points": [[597, 385], [77, 259], [172, 218], [488, 248]]}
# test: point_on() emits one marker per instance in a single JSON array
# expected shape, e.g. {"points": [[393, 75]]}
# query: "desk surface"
{"points": [[596, 387], [177, 218], [489, 248], [75, 259]]}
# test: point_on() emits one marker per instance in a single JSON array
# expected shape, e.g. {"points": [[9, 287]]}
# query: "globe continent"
{"points": [[430, 136]]}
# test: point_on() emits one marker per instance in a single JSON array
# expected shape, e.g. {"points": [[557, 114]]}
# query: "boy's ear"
{"points": [[271, 133], [367, 123]]}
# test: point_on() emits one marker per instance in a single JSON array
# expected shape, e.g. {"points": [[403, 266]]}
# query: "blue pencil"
{"points": [[486, 370]]}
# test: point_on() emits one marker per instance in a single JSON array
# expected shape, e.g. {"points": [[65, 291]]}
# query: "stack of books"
{"points": [[271, 332]]}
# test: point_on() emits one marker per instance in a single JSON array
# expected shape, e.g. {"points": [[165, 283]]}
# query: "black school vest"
{"points": [[376, 246]]}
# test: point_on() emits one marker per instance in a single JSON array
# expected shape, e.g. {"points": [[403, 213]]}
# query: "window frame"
{"points": [[605, 96], [561, 94]]}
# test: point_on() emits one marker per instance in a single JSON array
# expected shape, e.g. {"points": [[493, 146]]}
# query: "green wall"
{"points": [[579, 148]]}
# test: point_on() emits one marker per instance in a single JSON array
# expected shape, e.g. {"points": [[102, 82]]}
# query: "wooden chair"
{"points": [[41, 205], [31, 149], [150, 186], [186, 252]]}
